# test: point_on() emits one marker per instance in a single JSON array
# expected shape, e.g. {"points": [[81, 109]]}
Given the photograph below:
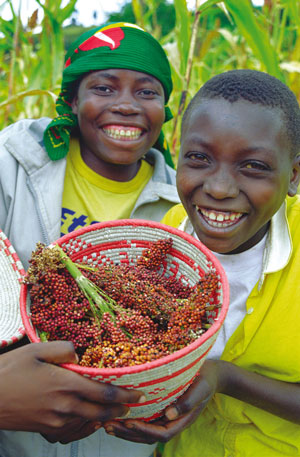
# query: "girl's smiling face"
{"points": [[234, 171], [120, 115]]}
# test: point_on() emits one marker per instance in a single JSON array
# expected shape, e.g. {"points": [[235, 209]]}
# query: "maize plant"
{"points": [[209, 37]]}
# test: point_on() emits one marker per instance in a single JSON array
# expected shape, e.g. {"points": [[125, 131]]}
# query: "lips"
{"points": [[122, 132], [220, 219]]}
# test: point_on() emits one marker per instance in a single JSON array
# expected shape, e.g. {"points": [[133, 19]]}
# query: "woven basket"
{"points": [[165, 379], [11, 274]]}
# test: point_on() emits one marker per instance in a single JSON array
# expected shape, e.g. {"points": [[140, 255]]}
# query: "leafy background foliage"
{"points": [[211, 38]]}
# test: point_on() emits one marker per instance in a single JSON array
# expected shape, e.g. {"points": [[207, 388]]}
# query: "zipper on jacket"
{"points": [[74, 449], [41, 222]]}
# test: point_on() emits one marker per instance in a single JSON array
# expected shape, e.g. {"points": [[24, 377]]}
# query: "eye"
{"points": [[102, 90], [197, 158], [148, 93], [256, 166]]}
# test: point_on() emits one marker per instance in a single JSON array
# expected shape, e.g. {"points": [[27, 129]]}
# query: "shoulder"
{"points": [[23, 142], [162, 172], [175, 216], [33, 127], [293, 217]]}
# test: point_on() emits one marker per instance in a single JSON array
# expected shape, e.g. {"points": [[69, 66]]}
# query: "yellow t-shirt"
{"points": [[89, 197], [266, 342]]}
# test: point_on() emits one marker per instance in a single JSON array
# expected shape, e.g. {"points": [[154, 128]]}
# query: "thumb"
{"points": [[56, 352], [197, 396]]}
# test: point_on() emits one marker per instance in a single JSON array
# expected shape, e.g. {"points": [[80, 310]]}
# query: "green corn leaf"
{"points": [[209, 4], [66, 12], [256, 37], [26, 93], [138, 14], [184, 25], [294, 10]]}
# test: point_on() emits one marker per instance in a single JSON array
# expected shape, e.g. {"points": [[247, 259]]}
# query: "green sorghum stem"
{"points": [[95, 295], [43, 337]]}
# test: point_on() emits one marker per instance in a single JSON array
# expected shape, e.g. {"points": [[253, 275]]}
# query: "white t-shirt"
{"points": [[241, 282]]}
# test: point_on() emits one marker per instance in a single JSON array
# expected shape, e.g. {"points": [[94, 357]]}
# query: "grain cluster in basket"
{"points": [[141, 302]]}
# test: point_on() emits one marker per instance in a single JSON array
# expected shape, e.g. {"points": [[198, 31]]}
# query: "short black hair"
{"points": [[256, 87]]}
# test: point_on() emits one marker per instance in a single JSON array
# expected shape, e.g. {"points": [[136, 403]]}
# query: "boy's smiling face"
{"points": [[234, 171]]}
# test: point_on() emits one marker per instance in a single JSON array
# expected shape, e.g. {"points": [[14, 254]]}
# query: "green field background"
{"points": [[200, 42]]}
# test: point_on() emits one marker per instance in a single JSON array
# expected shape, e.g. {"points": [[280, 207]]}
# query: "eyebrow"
{"points": [[142, 79], [105, 75], [200, 142], [145, 79]]}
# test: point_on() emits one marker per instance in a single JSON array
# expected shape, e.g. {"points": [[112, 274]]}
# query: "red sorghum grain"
{"points": [[148, 315]]}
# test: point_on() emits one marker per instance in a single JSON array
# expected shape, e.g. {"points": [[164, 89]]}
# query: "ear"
{"points": [[74, 105], [295, 177]]}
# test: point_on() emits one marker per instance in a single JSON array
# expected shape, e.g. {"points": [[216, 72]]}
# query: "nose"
{"points": [[221, 184], [125, 104]]}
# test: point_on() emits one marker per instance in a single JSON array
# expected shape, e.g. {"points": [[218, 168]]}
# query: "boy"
{"points": [[237, 178], [113, 103]]}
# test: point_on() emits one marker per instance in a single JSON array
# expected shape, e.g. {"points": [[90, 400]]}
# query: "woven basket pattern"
{"points": [[165, 379], [11, 274]]}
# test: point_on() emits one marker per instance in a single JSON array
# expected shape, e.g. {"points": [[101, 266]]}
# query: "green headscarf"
{"points": [[115, 45]]}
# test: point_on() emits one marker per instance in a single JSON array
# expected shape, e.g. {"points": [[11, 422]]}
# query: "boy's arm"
{"points": [[216, 376], [277, 397]]}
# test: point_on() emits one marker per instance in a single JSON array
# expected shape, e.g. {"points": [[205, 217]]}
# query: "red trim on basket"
{"points": [[161, 399], [170, 376], [90, 248], [19, 272], [15, 257], [6, 242], [160, 413], [76, 255], [151, 418]]}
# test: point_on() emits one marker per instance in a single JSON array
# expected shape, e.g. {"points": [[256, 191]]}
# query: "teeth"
{"points": [[123, 133], [216, 219]]}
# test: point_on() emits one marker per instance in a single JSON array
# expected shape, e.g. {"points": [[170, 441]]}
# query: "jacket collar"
{"points": [[278, 248], [162, 183], [32, 155]]}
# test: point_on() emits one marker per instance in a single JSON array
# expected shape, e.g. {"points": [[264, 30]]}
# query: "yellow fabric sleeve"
{"points": [[174, 216]]}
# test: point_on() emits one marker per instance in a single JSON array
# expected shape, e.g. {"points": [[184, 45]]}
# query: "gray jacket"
{"points": [[31, 187]]}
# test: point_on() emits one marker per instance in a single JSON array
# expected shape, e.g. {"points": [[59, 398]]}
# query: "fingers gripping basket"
{"points": [[165, 379]]}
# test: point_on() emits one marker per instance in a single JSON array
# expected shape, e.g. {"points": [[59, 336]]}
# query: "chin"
{"points": [[216, 244]]}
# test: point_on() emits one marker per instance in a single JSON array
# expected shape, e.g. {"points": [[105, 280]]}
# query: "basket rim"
{"points": [[106, 372], [12, 328]]}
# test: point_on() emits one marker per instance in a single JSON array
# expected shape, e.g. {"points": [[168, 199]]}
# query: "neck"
{"points": [[114, 171]]}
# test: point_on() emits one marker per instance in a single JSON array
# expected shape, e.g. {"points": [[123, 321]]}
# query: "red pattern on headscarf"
{"points": [[115, 35]]}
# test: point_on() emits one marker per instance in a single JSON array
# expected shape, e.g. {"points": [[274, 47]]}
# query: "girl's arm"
{"points": [[37, 395]]}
